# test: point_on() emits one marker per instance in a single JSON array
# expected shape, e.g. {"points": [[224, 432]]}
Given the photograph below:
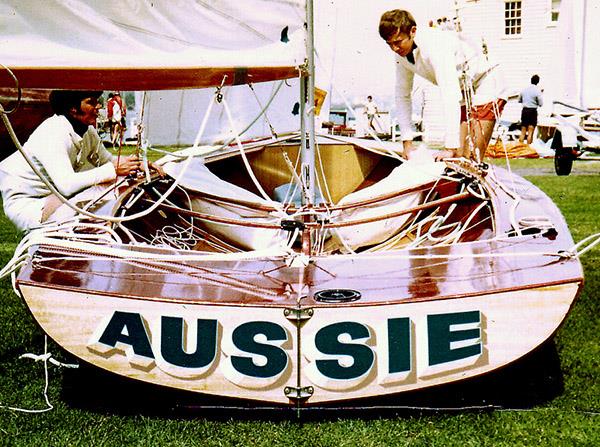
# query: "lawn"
{"points": [[93, 409]]}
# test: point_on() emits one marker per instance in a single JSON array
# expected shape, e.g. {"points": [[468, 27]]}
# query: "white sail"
{"points": [[173, 117], [140, 45]]}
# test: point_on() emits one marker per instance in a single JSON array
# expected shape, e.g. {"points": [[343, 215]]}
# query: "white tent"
{"points": [[174, 117]]}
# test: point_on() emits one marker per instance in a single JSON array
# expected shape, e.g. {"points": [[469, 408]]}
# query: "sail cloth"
{"points": [[197, 177], [173, 117], [144, 45], [419, 170]]}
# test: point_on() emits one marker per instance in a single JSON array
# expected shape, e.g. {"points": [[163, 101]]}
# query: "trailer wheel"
{"points": [[563, 156]]}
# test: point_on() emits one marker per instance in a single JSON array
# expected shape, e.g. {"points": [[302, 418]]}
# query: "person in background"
{"points": [[442, 58], [116, 120], [119, 100], [531, 98], [66, 148], [371, 111], [110, 104]]}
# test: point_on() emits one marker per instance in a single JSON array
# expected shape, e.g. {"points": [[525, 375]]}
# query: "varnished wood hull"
{"points": [[337, 328]]}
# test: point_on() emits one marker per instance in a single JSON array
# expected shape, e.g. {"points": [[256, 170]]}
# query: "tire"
{"points": [[563, 156]]}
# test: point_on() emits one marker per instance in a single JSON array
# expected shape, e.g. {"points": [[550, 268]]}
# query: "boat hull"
{"points": [[316, 355]]}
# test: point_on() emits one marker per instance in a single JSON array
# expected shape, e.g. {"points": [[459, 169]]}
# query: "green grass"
{"points": [[569, 418]]}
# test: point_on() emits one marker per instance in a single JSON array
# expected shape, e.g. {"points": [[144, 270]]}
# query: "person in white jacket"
{"points": [[66, 148], [460, 69]]}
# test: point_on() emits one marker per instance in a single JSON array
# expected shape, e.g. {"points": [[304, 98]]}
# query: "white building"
{"points": [[555, 39]]}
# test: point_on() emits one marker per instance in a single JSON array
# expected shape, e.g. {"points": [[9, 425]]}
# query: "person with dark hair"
{"points": [[67, 150], [371, 111], [462, 72], [531, 98]]}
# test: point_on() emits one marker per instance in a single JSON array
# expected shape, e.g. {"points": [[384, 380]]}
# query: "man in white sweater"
{"points": [[66, 148], [462, 72]]}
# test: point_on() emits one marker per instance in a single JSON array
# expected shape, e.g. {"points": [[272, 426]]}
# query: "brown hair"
{"points": [[395, 21]]}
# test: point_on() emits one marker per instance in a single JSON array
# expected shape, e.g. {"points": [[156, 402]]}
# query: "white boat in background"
{"points": [[385, 276]]}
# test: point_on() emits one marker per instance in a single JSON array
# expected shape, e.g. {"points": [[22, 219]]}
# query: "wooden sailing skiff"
{"points": [[475, 294], [214, 280]]}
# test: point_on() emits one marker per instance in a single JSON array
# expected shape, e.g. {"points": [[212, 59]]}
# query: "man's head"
{"points": [[369, 98], [398, 29], [80, 105], [535, 79]]}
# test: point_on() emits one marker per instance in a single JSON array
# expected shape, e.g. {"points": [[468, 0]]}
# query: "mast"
{"points": [[307, 86]]}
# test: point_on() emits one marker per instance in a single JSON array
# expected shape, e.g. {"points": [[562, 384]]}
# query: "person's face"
{"points": [[401, 43], [88, 111]]}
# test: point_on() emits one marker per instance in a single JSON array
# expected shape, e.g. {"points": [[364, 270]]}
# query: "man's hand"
{"points": [[126, 165], [132, 165], [446, 153], [154, 167], [408, 148]]}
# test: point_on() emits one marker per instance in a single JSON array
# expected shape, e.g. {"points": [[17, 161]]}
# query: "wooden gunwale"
{"points": [[512, 278], [284, 303]]}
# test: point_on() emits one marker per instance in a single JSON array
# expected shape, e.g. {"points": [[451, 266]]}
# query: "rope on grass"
{"points": [[46, 357]]}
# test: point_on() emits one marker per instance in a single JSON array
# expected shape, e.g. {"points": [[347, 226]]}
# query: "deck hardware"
{"points": [[36, 261], [291, 225], [298, 393], [295, 314], [337, 295]]}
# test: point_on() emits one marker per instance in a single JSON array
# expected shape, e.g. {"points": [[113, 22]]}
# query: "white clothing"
{"points": [[370, 108], [70, 162], [440, 57], [116, 117]]}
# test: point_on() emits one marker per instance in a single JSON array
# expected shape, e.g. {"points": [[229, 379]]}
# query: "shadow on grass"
{"points": [[529, 382]]}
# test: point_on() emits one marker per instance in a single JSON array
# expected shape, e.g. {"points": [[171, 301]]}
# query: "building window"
{"points": [[554, 11], [512, 18]]}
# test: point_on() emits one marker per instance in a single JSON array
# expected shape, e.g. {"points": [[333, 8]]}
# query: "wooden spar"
{"points": [[293, 209], [248, 223], [216, 219], [150, 78], [424, 206]]}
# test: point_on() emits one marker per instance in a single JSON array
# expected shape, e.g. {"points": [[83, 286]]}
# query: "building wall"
{"points": [[534, 51]]}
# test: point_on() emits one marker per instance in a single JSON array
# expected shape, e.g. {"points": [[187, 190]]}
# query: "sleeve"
{"points": [[54, 158], [404, 85], [104, 156], [443, 59], [540, 100]]}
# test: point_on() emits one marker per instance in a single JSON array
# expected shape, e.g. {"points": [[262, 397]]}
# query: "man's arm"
{"points": [[404, 85], [444, 64], [54, 158]]}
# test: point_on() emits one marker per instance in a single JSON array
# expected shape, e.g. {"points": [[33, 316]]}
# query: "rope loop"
{"points": [[17, 86]]}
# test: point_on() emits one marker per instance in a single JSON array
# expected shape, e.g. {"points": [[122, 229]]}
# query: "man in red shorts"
{"points": [[459, 68]]}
